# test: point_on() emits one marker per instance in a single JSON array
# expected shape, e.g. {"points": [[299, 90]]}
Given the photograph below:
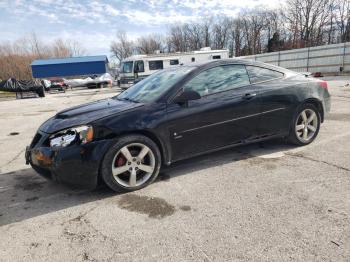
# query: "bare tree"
{"points": [[37, 47], [343, 22], [220, 32], [150, 44], [178, 38], [122, 47], [205, 30], [297, 23], [60, 49], [308, 20], [236, 36], [254, 24], [75, 48], [17, 56], [194, 36], [190, 36], [330, 27]]}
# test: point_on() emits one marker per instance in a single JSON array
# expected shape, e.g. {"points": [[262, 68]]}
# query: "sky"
{"points": [[94, 23]]}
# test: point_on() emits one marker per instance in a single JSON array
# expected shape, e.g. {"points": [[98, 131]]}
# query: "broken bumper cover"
{"points": [[76, 165]]}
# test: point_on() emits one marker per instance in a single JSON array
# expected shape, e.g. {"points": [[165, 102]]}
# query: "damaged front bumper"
{"points": [[77, 165]]}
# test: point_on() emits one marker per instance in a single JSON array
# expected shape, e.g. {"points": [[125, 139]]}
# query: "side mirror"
{"points": [[186, 96]]}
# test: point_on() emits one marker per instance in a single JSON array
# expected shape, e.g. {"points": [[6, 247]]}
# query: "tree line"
{"points": [[16, 57], [295, 24]]}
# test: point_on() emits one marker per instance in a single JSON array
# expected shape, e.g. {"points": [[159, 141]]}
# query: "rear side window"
{"points": [[155, 65], [218, 79], [259, 74]]}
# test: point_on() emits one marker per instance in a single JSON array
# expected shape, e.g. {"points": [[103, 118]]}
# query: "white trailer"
{"points": [[137, 67]]}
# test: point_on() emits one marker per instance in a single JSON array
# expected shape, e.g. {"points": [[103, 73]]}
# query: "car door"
{"points": [[226, 114], [277, 103]]}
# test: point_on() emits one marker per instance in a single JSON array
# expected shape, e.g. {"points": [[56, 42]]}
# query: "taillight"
{"points": [[323, 84]]}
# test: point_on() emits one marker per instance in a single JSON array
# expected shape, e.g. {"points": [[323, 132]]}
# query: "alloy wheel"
{"points": [[306, 125], [133, 165]]}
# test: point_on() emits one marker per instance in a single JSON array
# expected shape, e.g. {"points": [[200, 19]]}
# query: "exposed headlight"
{"points": [[79, 135]]}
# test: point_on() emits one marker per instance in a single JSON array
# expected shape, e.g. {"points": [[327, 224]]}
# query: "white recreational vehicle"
{"points": [[137, 67]]}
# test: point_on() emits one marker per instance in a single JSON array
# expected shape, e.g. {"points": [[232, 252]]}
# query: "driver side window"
{"points": [[139, 66], [218, 79]]}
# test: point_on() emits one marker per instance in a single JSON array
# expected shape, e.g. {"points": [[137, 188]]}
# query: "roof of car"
{"points": [[235, 61], [221, 61]]}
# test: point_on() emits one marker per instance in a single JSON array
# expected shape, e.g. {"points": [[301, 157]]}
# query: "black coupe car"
{"points": [[175, 114]]}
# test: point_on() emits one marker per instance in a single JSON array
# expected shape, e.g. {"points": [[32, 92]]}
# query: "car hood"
{"points": [[86, 113]]}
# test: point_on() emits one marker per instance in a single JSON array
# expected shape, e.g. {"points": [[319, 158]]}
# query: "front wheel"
{"points": [[305, 126], [132, 163]]}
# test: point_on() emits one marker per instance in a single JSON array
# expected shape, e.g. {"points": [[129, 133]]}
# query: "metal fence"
{"points": [[326, 59]]}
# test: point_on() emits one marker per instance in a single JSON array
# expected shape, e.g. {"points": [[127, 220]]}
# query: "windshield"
{"points": [[127, 67], [151, 88]]}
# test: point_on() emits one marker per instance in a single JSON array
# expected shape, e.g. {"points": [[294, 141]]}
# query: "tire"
{"points": [[41, 92], [298, 126], [116, 161]]}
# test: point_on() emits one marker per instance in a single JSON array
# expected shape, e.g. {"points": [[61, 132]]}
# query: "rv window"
{"points": [[127, 67], [155, 65], [193, 59], [216, 57], [174, 62], [139, 67]]}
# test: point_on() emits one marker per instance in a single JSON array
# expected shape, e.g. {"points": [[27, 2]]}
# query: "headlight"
{"points": [[79, 135]]}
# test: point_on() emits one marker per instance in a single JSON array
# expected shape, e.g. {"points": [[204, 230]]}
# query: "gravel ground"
{"points": [[262, 202]]}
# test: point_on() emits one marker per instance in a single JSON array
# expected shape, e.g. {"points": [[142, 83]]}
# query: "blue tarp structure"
{"points": [[72, 66]]}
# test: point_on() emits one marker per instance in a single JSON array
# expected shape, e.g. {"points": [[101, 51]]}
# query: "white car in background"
{"points": [[89, 82]]}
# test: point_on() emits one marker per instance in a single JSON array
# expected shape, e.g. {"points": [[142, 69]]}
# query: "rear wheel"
{"points": [[131, 164], [305, 126]]}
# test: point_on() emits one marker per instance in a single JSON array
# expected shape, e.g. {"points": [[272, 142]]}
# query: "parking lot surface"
{"points": [[263, 202]]}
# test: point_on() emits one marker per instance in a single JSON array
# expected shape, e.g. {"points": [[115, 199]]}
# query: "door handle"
{"points": [[249, 96]]}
